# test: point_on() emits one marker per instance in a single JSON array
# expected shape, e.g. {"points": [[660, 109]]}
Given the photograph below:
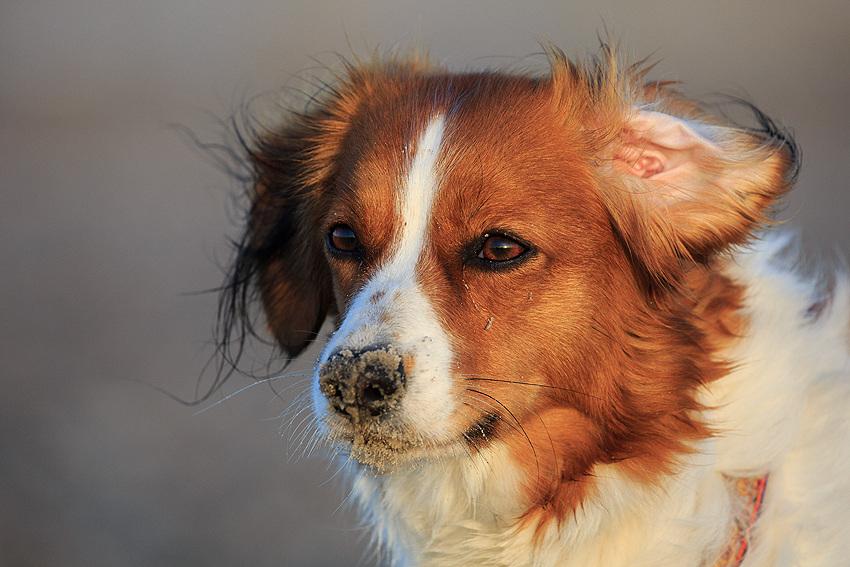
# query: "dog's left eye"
{"points": [[500, 249]]}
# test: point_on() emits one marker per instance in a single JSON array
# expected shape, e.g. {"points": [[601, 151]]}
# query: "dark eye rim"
{"points": [[477, 247], [356, 252]]}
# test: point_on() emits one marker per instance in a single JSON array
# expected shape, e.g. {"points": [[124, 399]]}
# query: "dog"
{"points": [[564, 334]]}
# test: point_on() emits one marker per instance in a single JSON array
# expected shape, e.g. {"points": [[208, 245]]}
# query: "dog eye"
{"points": [[500, 248], [343, 239]]}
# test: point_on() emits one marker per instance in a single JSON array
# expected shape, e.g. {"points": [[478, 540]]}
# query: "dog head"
{"points": [[507, 259]]}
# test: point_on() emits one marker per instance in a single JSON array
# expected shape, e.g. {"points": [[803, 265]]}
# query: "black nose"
{"points": [[363, 384]]}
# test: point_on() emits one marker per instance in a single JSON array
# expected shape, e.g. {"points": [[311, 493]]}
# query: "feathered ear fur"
{"points": [[292, 274], [687, 188], [280, 256]]}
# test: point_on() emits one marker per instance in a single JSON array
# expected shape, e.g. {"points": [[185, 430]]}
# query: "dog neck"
{"points": [[449, 513]]}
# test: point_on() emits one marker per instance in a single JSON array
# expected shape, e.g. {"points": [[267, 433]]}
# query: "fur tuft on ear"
{"points": [[686, 188]]}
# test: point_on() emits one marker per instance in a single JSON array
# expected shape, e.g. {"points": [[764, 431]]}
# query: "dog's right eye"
{"points": [[342, 239]]}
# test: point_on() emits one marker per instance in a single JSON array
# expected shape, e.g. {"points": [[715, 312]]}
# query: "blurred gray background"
{"points": [[109, 219]]}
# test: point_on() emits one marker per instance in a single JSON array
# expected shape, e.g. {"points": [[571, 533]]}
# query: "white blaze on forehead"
{"points": [[403, 314], [415, 199]]}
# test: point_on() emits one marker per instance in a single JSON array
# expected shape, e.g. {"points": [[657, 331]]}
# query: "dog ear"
{"points": [[686, 189], [293, 275], [281, 255]]}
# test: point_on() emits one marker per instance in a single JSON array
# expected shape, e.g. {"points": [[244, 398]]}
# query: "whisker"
{"points": [[471, 378], [239, 391], [287, 417], [342, 466], [527, 438], [490, 406], [296, 433], [533, 412], [351, 490], [303, 382], [302, 433], [278, 394]]}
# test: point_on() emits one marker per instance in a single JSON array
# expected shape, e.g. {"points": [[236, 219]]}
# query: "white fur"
{"points": [[783, 410]]}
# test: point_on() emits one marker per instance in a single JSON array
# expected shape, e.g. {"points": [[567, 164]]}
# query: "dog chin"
{"points": [[387, 447]]}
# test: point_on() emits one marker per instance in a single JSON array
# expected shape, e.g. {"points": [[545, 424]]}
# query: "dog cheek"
{"points": [[556, 451]]}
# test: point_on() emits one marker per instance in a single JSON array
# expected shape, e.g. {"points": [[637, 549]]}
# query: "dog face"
{"points": [[434, 255], [508, 260]]}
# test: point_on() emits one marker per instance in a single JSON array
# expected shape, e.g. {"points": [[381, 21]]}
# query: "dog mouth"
{"points": [[483, 430], [384, 446]]}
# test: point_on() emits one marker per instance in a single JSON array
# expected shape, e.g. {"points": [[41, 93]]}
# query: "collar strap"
{"points": [[747, 494]]}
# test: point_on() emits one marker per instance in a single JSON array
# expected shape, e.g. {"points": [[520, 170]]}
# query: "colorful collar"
{"points": [[749, 493]]}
